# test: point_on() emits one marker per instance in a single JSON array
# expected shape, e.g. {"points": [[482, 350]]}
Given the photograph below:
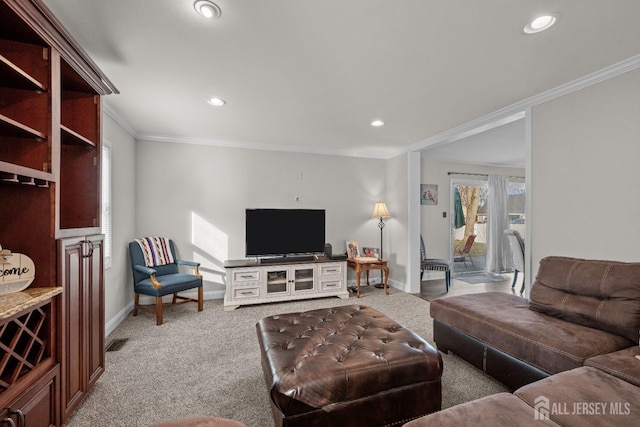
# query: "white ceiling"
{"points": [[310, 76], [499, 146]]}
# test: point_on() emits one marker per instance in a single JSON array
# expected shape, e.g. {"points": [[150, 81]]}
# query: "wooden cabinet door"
{"points": [[72, 323], [94, 313], [38, 406], [82, 320]]}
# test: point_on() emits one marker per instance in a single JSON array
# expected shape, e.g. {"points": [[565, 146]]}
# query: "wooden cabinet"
{"points": [[253, 283], [50, 146], [38, 406], [81, 317], [79, 152], [29, 372]]}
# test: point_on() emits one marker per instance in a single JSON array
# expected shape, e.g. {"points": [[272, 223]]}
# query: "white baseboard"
{"points": [[113, 323]]}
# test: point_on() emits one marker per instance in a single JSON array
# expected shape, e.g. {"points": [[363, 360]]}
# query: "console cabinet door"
{"points": [[82, 319], [38, 406]]}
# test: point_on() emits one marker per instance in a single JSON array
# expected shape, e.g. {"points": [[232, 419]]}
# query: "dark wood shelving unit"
{"points": [[50, 148]]}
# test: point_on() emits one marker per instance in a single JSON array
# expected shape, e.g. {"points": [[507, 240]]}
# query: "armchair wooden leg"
{"points": [[136, 301], [158, 310], [175, 298], [200, 299]]}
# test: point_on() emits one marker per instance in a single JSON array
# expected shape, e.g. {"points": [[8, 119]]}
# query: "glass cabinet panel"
{"points": [[303, 280], [277, 281]]}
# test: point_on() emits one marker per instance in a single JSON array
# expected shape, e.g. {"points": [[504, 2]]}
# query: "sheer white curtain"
{"points": [[498, 255]]}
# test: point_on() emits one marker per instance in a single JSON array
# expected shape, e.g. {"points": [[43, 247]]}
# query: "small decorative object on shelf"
{"points": [[371, 252], [17, 271], [353, 250]]}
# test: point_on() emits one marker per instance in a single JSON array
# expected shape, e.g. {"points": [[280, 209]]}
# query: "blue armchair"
{"points": [[159, 277]]}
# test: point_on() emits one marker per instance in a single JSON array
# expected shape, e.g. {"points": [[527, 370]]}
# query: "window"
{"points": [[106, 202]]}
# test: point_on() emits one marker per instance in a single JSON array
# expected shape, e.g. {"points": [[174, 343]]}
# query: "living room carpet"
{"points": [[480, 277], [208, 363]]}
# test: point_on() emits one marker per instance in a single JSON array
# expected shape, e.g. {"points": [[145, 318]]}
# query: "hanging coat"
{"points": [[458, 220]]}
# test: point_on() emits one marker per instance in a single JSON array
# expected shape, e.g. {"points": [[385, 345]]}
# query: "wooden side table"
{"points": [[367, 264]]}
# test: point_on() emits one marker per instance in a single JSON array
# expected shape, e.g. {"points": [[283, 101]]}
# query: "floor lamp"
{"points": [[380, 211]]}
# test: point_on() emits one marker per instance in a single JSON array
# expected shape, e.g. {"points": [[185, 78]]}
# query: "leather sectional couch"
{"points": [[568, 352]]}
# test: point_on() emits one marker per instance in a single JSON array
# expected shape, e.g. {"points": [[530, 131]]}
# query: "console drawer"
{"points": [[244, 276], [242, 293], [330, 284], [331, 269]]}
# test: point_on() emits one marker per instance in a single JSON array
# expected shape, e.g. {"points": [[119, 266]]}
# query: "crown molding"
{"points": [[257, 146], [500, 117], [118, 119]]}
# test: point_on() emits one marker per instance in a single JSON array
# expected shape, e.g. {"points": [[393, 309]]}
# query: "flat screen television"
{"points": [[282, 232]]}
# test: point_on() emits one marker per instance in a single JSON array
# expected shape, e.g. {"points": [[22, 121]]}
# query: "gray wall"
{"points": [[197, 195], [583, 178], [585, 152], [118, 281]]}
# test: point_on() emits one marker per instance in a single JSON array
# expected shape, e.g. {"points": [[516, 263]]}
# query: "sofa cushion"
{"points": [[623, 364], [585, 397], [506, 323], [600, 294], [502, 409]]}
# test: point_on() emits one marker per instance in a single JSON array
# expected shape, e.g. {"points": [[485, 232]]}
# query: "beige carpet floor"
{"points": [[208, 363]]}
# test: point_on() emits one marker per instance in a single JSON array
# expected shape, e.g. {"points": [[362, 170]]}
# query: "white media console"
{"points": [[252, 282]]}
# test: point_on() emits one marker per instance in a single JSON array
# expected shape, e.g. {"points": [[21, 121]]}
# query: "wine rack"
{"points": [[24, 344]]}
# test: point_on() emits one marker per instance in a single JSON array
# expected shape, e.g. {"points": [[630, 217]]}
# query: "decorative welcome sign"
{"points": [[17, 271]]}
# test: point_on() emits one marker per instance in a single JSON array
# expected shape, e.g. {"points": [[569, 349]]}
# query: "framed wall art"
{"points": [[428, 194]]}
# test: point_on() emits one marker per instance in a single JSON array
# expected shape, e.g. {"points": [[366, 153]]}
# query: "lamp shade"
{"points": [[380, 211]]}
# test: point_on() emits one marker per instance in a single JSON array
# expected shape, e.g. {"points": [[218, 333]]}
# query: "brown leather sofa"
{"points": [[579, 397], [347, 366], [578, 309], [568, 352]]}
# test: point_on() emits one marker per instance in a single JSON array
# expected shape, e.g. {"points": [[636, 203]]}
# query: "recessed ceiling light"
{"points": [[207, 8], [540, 23], [377, 123], [216, 102]]}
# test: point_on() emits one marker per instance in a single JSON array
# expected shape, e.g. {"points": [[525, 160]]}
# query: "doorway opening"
{"points": [[469, 226], [469, 223]]}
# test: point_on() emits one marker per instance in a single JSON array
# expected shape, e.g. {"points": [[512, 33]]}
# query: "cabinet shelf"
{"points": [[13, 128], [14, 76], [71, 137]]}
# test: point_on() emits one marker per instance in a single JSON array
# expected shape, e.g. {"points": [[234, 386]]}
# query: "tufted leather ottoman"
{"points": [[347, 366]]}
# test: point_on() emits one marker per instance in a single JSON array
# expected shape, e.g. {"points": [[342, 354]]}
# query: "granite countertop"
{"points": [[15, 302]]}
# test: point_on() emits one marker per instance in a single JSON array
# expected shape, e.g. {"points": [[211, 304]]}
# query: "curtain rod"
{"points": [[478, 174]]}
